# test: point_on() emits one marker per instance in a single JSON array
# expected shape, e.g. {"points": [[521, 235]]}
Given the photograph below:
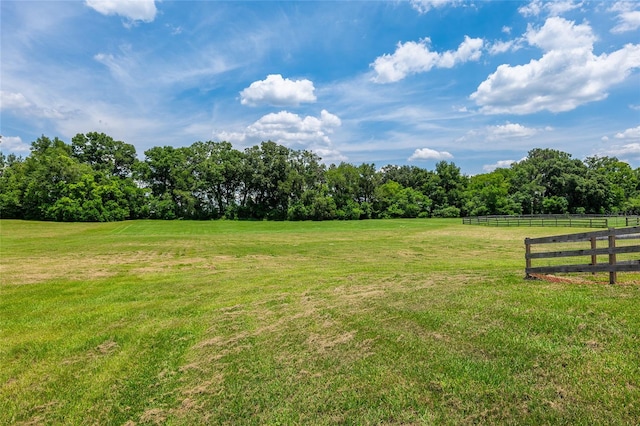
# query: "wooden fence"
{"points": [[574, 221], [613, 266]]}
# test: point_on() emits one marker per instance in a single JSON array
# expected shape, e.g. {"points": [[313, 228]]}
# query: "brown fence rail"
{"points": [[613, 266], [564, 220]]}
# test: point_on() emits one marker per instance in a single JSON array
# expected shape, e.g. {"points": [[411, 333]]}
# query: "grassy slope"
{"points": [[416, 321]]}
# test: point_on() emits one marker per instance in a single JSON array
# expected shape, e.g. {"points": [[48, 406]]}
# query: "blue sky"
{"points": [[479, 83]]}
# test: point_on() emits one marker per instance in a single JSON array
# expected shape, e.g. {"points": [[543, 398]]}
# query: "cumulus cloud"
{"points": [[133, 10], [628, 16], [13, 144], [289, 127], [565, 77], [278, 91], [291, 130], [558, 34], [416, 57], [429, 154], [633, 133]]}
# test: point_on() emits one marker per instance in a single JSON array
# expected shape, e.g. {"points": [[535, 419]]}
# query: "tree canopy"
{"points": [[96, 178]]}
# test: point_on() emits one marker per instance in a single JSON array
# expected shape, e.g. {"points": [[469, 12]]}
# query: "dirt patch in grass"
{"points": [[107, 347], [79, 268], [154, 416], [601, 278], [323, 343], [556, 279]]}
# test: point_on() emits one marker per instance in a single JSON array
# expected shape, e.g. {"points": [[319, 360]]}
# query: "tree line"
{"points": [[96, 178]]}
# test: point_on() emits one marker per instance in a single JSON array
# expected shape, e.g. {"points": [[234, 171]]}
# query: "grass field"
{"points": [[369, 322]]}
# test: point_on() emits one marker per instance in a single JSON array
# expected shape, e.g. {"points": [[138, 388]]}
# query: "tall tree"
{"points": [[168, 173], [12, 185], [104, 154], [447, 190], [217, 173], [488, 194]]}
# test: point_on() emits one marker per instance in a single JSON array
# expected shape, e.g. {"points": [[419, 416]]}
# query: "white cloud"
{"points": [[17, 102], [557, 8], [628, 16], [13, 144], [567, 76], [502, 164], [503, 46], [552, 8], [134, 10], [424, 6], [119, 67], [429, 154], [633, 133], [503, 136], [278, 91], [630, 150], [510, 130], [558, 34], [291, 130], [416, 57], [288, 127], [9, 100], [532, 9]]}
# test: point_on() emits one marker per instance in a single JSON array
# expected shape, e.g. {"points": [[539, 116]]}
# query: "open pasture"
{"points": [[370, 322]]}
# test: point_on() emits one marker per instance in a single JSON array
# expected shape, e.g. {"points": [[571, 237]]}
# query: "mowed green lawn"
{"points": [[370, 322]]}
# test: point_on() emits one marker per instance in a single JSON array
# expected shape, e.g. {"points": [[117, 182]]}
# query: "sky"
{"points": [[415, 82]]}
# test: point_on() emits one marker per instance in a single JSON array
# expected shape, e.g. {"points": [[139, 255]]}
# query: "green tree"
{"points": [[617, 179], [395, 201], [264, 193], [168, 173], [12, 183], [408, 176], [547, 173], [217, 174], [488, 194], [342, 181], [48, 171], [447, 190], [104, 154]]}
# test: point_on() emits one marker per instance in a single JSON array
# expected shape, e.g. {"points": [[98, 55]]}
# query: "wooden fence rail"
{"points": [[539, 220], [565, 220], [613, 266]]}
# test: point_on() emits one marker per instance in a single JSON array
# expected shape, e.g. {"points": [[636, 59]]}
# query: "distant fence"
{"points": [[632, 220], [613, 265], [575, 221]]}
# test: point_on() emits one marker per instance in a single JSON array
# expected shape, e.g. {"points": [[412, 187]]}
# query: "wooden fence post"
{"points": [[527, 253], [594, 258], [612, 256]]}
